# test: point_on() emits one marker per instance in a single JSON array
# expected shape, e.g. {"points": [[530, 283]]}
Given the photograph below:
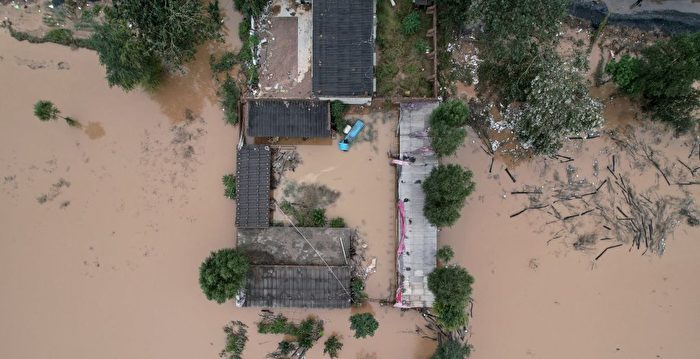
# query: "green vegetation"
{"points": [[332, 346], [229, 186], [558, 105], [403, 68], [300, 338], [445, 254], [305, 216], [223, 274], [452, 287], [446, 189], [229, 96], [447, 127], [249, 9], [411, 23], [236, 338], [138, 40], [47, 111], [338, 110], [223, 64], [662, 79], [516, 35], [357, 291], [57, 36], [363, 324], [451, 349], [337, 222]]}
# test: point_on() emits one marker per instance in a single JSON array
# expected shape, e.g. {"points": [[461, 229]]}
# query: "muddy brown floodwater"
{"points": [[104, 228]]}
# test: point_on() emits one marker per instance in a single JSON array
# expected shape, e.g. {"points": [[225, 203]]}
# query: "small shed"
{"points": [[288, 118], [253, 187]]}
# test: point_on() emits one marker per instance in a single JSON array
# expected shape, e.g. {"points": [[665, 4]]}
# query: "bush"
{"points": [[45, 110], [411, 23], [229, 186], [357, 291], [229, 95], [225, 63], [446, 189], [445, 254], [317, 217], [277, 324], [422, 46], [332, 346], [452, 287], [363, 324], [301, 337], [446, 127], [244, 29], [624, 73], [223, 274], [60, 36], [450, 349], [236, 338], [337, 222], [338, 110]]}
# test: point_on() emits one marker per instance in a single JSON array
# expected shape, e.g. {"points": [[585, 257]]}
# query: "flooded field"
{"points": [[104, 228]]}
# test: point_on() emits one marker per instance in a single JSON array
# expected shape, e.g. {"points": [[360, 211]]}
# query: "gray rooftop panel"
{"points": [[253, 187], [288, 118], [297, 286], [343, 48]]}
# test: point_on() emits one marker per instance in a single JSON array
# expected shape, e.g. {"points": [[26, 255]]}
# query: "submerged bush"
{"points": [[229, 95], [229, 186], [332, 346], [236, 338], [337, 222], [363, 324]]}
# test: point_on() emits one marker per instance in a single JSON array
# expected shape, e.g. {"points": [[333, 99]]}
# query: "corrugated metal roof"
{"points": [[418, 258], [343, 48], [297, 286], [253, 187], [288, 118]]}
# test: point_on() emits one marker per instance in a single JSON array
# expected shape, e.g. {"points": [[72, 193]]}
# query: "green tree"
{"points": [[338, 110], [445, 254], [251, 7], [662, 77], [140, 38], [446, 189], [452, 287], [46, 111], [451, 349], [223, 274], [453, 13], [363, 324], [357, 291], [229, 96], [515, 35], [332, 346], [447, 123], [558, 105], [127, 61]]}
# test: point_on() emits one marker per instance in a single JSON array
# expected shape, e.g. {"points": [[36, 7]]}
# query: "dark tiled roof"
{"points": [[288, 118], [343, 48], [253, 187], [297, 286]]}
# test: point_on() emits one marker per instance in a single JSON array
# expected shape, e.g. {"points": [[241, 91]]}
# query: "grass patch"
{"points": [[403, 68]]}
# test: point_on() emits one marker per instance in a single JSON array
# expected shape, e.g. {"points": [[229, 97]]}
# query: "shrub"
{"points": [[332, 346], [446, 189], [624, 73], [59, 36], [223, 274], [300, 337], [411, 23], [338, 110], [225, 63], [244, 29], [229, 95], [236, 338], [337, 222], [422, 46], [445, 254], [451, 349], [317, 217], [363, 324], [357, 291], [275, 324], [229, 186], [452, 287], [446, 127]]}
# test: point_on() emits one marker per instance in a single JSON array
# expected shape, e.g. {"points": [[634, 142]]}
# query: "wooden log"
{"points": [[526, 192], [510, 175], [688, 167], [613, 163], [491, 165], [606, 249], [518, 213], [601, 185]]}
